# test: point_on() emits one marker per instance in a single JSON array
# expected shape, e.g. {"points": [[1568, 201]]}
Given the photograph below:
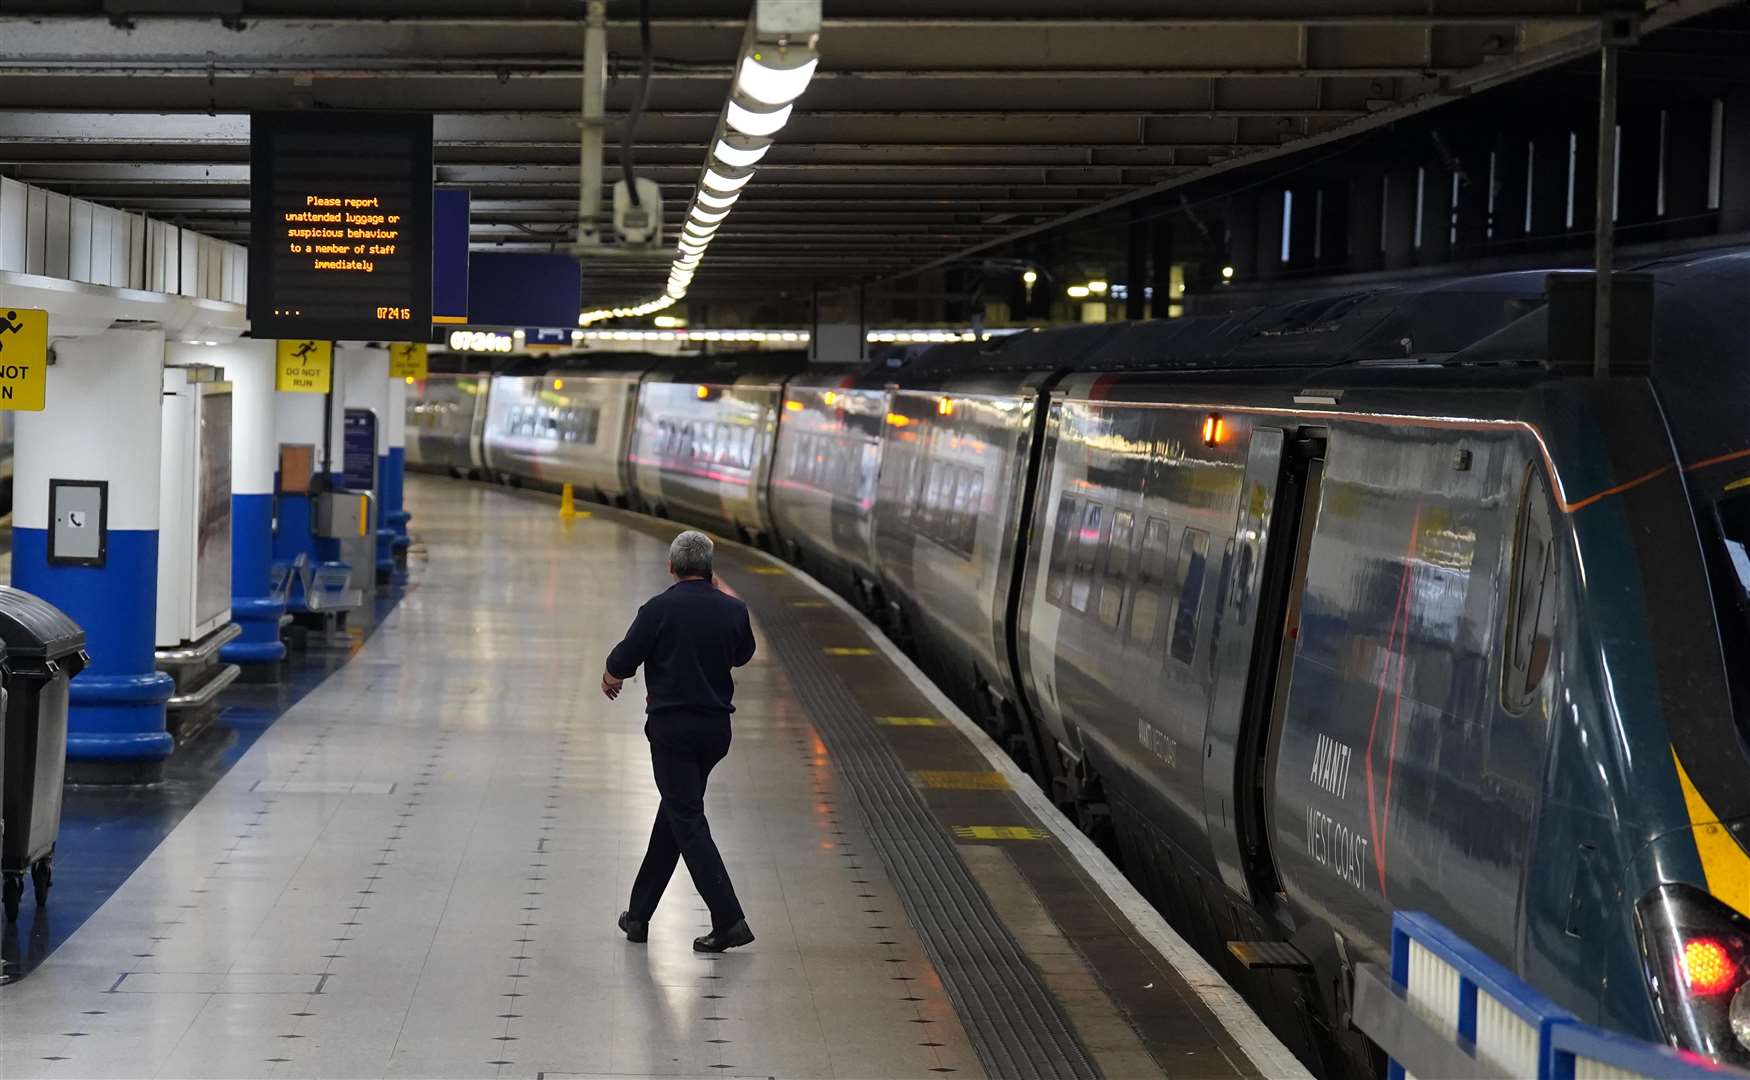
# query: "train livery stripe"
{"points": [[1726, 865]]}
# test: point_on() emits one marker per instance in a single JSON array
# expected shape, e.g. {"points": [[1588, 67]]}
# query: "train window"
{"points": [[1081, 585], [974, 507], [1193, 559], [1117, 568], [1061, 532], [1151, 578], [1531, 603]]}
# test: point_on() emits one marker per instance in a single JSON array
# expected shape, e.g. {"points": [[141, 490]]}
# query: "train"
{"points": [[1308, 611]]}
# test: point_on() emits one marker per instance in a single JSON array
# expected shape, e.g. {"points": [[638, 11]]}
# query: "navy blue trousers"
{"points": [[683, 751]]}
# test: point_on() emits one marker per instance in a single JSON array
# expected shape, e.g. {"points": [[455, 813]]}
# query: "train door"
{"points": [[1259, 598]]}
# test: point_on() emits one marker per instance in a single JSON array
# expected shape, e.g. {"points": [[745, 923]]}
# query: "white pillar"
{"points": [[102, 424], [249, 367]]}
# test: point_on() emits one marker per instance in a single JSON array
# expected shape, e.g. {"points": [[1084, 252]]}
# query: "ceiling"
{"points": [[933, 127]]}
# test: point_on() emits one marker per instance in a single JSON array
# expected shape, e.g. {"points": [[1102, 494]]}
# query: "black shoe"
{"points": [[637, 930], [719, 940]]}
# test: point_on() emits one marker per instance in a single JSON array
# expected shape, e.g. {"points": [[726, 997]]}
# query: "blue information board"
{"points": [[360, 450], [449, 256]]}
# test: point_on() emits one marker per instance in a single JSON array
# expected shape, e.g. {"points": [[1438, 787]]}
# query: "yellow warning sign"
{"points": [[24, 359], [407, 360], [305, 367]]}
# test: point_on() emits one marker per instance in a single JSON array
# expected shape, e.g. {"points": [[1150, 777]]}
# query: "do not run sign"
{"points": [[24, 358]]}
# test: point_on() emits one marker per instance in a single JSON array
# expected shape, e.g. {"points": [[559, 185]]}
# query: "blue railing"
{"points": [[1451, 1010]]}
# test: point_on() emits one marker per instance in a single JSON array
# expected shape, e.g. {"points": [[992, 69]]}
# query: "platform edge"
{"points": [[1254, 1038]]}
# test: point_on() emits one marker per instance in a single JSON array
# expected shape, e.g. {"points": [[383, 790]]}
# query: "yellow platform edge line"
{"points": [[909, 721], [847, 650], [1000, 832], [955, 780]]}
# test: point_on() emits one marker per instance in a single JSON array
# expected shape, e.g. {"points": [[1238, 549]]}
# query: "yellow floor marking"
{"points": [[953, 780], [848, 650], [808, 603], [999, 832], [910, 721], [767, 570]]}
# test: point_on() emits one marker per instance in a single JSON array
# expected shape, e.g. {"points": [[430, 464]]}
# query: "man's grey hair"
{"points": [[690, 554]]}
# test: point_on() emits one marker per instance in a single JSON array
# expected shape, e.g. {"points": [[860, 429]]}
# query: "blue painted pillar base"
{"points": [[251, 575], [116, 706], [385, 554], [260, 643], [394, 484]]}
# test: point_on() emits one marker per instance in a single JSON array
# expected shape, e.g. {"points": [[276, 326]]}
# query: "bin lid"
{"points": [[32, 627]]}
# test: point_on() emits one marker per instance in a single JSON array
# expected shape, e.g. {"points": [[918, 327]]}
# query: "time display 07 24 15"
{"points": [[340, 244]]}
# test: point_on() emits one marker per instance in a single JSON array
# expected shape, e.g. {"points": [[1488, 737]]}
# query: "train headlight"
{"points": [[1740, 1015]]}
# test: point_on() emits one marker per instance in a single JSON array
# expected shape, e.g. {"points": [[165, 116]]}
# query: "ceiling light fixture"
{"points": [[739, 154], [716, 181], [777, 61], [772, 85], [759, 124]]}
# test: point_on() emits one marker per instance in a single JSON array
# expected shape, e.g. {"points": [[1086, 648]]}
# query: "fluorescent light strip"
{"points": [[759, 124], [737, 157], [774, 86], [716, 181], [717, 202]]}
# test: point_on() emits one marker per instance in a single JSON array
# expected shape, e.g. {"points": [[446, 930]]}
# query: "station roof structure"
{"points": [[933, 127]]}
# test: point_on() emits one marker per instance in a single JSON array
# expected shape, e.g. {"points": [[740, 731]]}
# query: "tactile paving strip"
{"points": [[1014, 1022]]}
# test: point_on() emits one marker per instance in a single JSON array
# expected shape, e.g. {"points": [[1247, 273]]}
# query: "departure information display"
{"points": [[340, 230]]}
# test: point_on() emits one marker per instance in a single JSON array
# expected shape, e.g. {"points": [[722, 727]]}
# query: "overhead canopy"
{"points": [[932, 127]]}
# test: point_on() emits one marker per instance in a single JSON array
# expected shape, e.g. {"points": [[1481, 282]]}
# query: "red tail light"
{"points": [[1707, 967], [1697, 956]]}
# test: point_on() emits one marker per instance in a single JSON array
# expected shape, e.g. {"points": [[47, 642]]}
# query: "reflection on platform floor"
{"points": [[415, 871]]}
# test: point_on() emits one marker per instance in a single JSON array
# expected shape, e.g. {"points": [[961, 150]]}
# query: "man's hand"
{"points": [[611, 686]]}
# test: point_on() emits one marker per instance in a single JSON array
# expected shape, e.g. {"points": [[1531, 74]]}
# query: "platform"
{"points": [[415, 871]]}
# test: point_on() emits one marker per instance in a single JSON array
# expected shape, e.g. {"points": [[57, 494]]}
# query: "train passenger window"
{"points": [[1117, 568], [1061, 531], [1081, 584], [1151, 578], [1193, 559], [1531, 603], [974, 507]]}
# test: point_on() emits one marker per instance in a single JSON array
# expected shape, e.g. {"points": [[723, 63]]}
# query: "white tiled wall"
{"points": [[42, 232]]}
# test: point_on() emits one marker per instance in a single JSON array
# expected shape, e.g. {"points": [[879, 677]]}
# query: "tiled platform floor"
{"points": [[415, 872]]}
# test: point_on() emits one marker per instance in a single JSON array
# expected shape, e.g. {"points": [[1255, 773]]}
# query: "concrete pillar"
{"points": [[249, 367], [395, 514], [103, 423], [367, 387]]}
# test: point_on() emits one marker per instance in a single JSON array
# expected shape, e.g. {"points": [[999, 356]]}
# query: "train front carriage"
{"points": [[1353, 637]]}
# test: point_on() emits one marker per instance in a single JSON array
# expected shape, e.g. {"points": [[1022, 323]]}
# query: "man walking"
{"points": [[687, 639]]}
